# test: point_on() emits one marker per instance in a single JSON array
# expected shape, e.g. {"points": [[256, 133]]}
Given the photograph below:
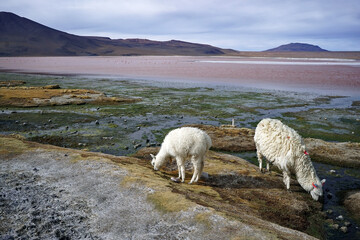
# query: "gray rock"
{"points": [[340, 218], [347, 224], [334, 226]]}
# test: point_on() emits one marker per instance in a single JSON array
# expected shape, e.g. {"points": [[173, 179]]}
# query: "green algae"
{"points": [[167, 106], [10, 147]]}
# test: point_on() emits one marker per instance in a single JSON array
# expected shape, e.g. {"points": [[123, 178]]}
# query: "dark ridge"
{"points": [[23, 37], [297, 47]]}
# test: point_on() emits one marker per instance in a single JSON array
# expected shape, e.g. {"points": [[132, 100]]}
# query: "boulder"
{"points": [[352, 203]]}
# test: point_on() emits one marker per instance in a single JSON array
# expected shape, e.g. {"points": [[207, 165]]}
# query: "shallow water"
{"points": [[123, 129]]}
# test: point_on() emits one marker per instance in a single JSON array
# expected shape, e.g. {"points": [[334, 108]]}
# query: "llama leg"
{"points": [[194, 162], [182, 171], [286, 179], [201, 168], [198, 164], [259, 159], [181, 167], [179, 170], [268, 166]]}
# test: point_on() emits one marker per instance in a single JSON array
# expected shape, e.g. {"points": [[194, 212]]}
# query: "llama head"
{"points": [[317, 190], [158, 160], [153, 162]]}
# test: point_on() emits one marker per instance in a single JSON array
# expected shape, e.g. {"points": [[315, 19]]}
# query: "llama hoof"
{"points": [[177, 180]]}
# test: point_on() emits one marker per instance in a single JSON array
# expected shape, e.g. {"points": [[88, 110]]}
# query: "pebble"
{"points": [[205, 175], [137, 146], [151, 145], [329, 211], [335, 226], [177, 180], [340, 217], [347, 224], [344, 229], [329, 195]]}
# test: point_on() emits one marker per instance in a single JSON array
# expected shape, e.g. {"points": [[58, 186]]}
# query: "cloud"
{"points": [[241, 25]]}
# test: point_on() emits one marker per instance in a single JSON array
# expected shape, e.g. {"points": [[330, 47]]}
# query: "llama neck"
{"points": [[162, 156], [305, 173]]}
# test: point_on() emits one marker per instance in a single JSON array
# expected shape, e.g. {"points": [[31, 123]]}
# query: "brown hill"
{"points": [[23, 37]]}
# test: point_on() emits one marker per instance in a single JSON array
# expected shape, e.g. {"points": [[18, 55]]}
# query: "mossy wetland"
{"points": [[122, 129]]}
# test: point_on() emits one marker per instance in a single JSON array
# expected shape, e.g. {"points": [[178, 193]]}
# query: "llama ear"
{"points": [[323, 181], [152, 156]]}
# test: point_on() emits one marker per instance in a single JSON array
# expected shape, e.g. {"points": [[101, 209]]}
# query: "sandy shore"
{"points": [[280, 73]]}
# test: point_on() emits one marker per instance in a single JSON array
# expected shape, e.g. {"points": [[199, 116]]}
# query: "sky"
{"points": [[243, 25]]}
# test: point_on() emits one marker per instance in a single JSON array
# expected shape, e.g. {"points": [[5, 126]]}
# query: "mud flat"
{"points": [[283, 73], [53, 192], [52, 95]]}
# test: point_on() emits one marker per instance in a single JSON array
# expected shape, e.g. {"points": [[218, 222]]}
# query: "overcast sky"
{"points": [[248, 25]]}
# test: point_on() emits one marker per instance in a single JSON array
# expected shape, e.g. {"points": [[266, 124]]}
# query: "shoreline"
{"points": [[294, 75]]}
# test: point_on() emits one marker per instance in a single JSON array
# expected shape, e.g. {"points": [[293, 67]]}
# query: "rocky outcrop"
{"points": [[53, 192], [228, 138], [344, 154], [52, 95]]}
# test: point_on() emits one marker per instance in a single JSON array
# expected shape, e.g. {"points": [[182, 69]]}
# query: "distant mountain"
{"points": [[23, 37], [297, 47]]}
